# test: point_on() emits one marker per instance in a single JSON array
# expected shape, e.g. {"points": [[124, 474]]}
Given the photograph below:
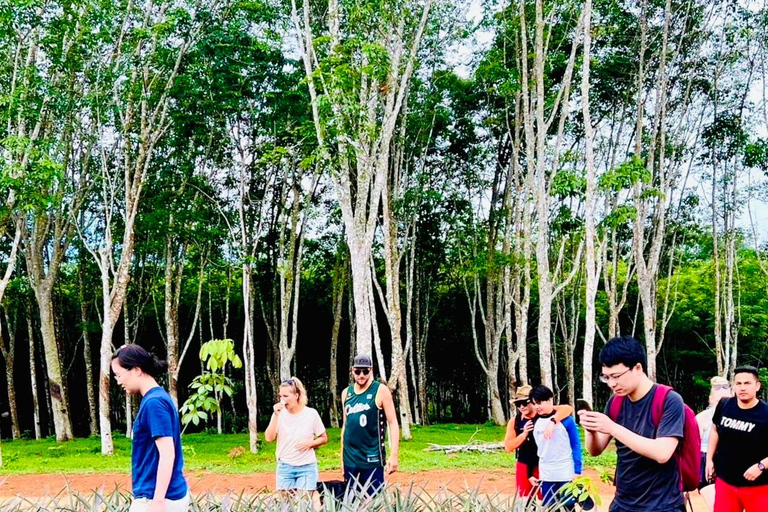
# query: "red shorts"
{"points": [[524, 487], [729, 498]]}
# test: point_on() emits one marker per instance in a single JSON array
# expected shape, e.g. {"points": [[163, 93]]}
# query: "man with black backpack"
{"points": [[647, 435]]}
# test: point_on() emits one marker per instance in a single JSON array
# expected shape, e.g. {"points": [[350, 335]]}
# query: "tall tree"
{"points": [[46, 152], [362, 76], [591, 261], [541, 107], [145, 49]]}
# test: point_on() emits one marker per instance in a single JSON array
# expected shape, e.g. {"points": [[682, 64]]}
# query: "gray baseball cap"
{"points": [[362, 361]]}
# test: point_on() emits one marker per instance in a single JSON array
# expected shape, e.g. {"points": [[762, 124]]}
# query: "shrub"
{"points": [[394, 499]]}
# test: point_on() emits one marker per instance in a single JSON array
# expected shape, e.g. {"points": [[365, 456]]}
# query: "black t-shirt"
{"points": [[742, 440], [642, 484], [528, 452]]}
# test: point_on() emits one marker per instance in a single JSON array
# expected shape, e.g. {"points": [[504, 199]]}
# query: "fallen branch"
{"points": [[469, 447]]}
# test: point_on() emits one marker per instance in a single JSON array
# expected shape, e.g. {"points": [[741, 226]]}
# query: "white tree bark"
{"points": [[124, 169], [541, 159], [33, 372], [591, 260], [359, 184]]}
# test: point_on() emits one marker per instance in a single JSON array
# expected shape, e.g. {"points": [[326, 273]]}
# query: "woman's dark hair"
{"points": [[134, 356], [541, 394], [624, 350]]}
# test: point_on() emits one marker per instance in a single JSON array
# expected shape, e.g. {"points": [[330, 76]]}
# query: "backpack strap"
{"points": [[657, 406], [614, 406]]}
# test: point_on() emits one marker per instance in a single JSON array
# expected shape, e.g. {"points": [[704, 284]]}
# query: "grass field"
{"points": [[228, 453]]}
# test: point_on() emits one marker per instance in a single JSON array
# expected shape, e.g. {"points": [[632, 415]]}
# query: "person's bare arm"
{"points": [[167, 454], [562, 412], [595, 441], [709, 466], [270, 434], [511, 441], [385, 401], [321, 440], [660, 449], [313, 443], [343, 426]]}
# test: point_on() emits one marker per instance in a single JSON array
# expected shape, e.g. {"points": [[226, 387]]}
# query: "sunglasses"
{"points": [[361, 371], [521, 403], [721, 386], [288, 382]]}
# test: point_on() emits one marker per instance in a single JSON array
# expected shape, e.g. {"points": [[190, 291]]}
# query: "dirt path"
{"points": [[487, 482]]}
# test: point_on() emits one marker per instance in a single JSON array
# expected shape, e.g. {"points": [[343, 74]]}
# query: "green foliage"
{"points": [[568, 183], [625, 176], [581, 488], [212, 385], [756, 154]]}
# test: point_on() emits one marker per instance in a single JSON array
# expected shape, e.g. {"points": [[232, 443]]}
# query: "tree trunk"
{"points": [[647, 266], [537, 129], [404, 406], [8, 350], [10, 268], [591, 260], [249, 363], [359, 259], [174, 269], [359, 190], [340, 270], [415, 404], [105, 368], [56, 385], [93, 425], [33, 372]]}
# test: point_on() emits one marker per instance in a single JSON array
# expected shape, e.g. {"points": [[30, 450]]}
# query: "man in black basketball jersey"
{"points": [[368, 410]]}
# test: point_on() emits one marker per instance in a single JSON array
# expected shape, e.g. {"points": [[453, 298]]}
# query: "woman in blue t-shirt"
{"points": [[156, 457]]}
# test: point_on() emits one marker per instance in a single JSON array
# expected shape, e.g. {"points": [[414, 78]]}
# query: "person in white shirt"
{"points": [[299, 431], [719, 388]]}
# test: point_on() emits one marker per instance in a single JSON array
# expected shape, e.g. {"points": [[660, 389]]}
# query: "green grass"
{"points": [[211, 452]]}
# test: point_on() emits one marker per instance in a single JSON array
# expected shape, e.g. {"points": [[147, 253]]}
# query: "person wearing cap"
{"points": [[368, 410], [719, 388], [519, 437]]}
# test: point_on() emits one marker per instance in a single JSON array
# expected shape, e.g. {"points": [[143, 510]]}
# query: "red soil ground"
{"points": [[488, 482]]}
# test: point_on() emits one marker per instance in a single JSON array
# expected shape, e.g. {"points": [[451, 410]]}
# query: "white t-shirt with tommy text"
{"points": [[304, 425]]}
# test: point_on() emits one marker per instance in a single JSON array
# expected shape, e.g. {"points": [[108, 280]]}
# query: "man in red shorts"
{"points": [[738, 447], [519, 437]]}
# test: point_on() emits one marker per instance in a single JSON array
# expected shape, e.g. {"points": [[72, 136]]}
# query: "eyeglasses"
{"points": [[724, 387], [521, 403], [361, 371], [119, 376], [605, 379]]}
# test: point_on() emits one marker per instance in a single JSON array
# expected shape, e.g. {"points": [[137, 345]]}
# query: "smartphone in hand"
{"points": [[583, 405]]}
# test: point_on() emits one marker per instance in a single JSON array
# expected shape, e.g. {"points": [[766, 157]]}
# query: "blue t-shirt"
{"points": [[157, 417]]}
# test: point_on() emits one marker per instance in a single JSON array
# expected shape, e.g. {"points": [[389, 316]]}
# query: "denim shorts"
{"points": [[302, 477]]}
